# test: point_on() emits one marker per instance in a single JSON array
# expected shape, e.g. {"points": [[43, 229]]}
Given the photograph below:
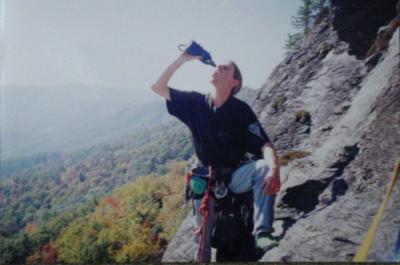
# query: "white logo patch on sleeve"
{"points": [[255, 128]]}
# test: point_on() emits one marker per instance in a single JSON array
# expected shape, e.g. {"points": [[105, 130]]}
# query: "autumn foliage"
{"points": [[46, 255], [132, 224], [46, 196]]}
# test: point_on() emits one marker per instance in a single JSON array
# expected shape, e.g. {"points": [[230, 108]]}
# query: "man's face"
{"points": [[223, 76]]}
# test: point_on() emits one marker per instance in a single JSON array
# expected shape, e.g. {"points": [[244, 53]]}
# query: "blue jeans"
{"points": [[249, 176]]}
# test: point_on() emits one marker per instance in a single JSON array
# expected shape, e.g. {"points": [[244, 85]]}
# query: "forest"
{"points": [[44, 196]]}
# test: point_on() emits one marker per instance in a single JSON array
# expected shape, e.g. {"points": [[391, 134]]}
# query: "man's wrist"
{"points": [[181, 59]]}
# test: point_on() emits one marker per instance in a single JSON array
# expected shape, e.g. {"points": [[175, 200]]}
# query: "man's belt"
{"points": [[199, 177], [222, 171], [221, 177]]}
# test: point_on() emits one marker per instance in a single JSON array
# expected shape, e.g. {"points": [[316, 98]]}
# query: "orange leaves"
{"points": [[47, 255], [31, 228], [111, 201], [110, 212], [34, 259]]}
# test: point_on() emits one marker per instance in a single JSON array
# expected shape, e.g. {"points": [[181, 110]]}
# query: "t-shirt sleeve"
{"points": [[181, 104], [255, 135]]}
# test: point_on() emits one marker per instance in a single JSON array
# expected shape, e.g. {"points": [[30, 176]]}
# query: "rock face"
{"points": [[323, 99], [359, 20], [328, 199]]}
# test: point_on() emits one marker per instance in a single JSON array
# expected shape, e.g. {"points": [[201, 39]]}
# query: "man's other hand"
{"points": [[272, 182]]}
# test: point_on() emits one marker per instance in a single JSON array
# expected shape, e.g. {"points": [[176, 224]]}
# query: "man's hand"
{"points": [[272, 181], [184, 57]]}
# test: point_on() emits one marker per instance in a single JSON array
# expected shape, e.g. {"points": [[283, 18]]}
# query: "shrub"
{"points": [[324, 49], [278, 102], [292, 155], [303, 116]]}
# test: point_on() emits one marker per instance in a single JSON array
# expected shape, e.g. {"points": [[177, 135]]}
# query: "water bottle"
{"points": [[195, 49]]}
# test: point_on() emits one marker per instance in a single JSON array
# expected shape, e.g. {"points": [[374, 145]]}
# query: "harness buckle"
{"points": [[220, 190]]}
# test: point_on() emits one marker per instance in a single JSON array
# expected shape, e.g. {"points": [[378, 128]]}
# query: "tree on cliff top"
{"points": [[303, 20]]}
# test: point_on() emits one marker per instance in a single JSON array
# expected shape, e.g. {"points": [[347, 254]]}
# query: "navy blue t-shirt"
{"points": [[221, 136]]}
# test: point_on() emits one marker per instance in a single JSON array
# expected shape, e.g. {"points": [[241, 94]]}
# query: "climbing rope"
{"points": [[362, 252], [204, 210]]}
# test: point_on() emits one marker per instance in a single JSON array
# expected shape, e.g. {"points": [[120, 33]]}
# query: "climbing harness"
{"points": [[201, 183]]}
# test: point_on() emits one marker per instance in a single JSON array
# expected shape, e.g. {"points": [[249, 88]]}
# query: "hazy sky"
{"points": [[128, 43]]}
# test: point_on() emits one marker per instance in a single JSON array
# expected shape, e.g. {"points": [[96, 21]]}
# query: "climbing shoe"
{"points": [[265, 241]]}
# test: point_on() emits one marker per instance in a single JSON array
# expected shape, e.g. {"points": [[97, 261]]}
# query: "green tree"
{"points": [[303, 20], [317, 6], [293, 39], [14, 249]]}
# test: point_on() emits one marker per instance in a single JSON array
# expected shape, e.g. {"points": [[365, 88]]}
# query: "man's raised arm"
{"points": [[161, 86]]}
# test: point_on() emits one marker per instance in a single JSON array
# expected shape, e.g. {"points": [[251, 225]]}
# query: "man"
{"points": [[223, 129]]}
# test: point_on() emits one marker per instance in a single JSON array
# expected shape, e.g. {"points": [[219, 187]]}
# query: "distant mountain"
{"points": [[67, 117], [70, 117], [56, 182], [246, 94]]}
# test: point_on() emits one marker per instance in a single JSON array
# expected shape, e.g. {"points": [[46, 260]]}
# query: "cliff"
{"points": [[330, 99]]}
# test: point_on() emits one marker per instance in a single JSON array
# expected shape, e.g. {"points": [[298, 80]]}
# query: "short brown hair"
{"points": [[237, 75]]}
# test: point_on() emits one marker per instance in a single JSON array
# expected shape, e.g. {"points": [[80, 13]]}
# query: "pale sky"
{"points": [[128, 43]]}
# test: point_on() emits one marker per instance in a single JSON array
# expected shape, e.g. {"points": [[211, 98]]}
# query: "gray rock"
{"points": [[340, 196], [182, 247]]}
